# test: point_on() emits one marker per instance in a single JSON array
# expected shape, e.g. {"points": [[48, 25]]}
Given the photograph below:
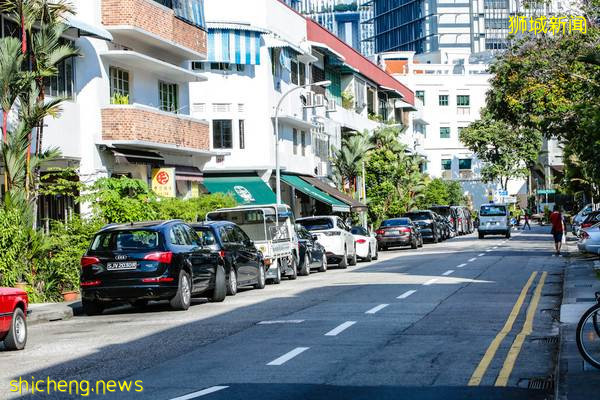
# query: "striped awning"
{"points": [[234, 46]]}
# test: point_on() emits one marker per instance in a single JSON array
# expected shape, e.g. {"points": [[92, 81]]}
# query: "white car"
{"points": [[335, 236], [589, 240], [366, 244], [493, 220]]}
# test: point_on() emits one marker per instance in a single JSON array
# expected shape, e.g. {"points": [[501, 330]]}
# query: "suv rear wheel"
{"points": [[354, 258], [344, 260], [91, 307], [261, 277], [220, 291], [183, 297]]}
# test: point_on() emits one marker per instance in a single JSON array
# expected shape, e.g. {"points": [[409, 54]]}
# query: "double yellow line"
{"points": [[515, 349]]}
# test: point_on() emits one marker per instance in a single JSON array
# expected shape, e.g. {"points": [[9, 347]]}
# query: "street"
{"points": [[463, 319]]}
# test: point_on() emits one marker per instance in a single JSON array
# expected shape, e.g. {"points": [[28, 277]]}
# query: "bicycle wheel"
{"points": [[596, 321], [588, 339]]}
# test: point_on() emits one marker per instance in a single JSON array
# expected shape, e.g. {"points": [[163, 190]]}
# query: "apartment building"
{"points": [[128, 109], [265, 54], [448, 98]]}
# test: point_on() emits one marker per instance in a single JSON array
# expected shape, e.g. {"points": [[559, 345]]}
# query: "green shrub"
{"points": [[194, 209], [14, 242]]}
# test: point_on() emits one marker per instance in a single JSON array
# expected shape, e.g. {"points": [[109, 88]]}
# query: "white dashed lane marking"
{"points": [[430, 282], [375, 309], [341, 328], [472, 259], [406, 294], [288, 356], [200, 393], [448, 272], [461, 265]]}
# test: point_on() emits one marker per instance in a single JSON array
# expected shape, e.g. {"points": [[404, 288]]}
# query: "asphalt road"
{"points": [[463, 319]]}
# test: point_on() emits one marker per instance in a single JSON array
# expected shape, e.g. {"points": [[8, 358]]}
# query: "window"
{"points": [[302, 73], [463, 100], [303, 142], [62, 84], [294, 71], [197, 66], [464, 163], [168, 96], [446, 164], [443, 99], [240, 67], [220, 66], [222, 138], [295, 141], [444, 132], [420, 94], [241, 132], [119, 82]]}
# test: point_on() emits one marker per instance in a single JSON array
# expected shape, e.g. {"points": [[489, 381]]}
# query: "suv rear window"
{"points": [[492, 211], [443, 211], [316, 224], [396, 222], [207, 237], [126, 240], [420, 216]]}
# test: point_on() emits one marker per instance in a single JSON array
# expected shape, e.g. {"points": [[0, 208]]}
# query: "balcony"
{"points": [[352, 120], [153, 23], [149, 128]]}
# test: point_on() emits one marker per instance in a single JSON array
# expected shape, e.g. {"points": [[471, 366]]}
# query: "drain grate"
{"points": [[541, 383], [546, 339]]}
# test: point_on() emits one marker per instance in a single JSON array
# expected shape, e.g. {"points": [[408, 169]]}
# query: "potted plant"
{"points": [[70, 295]]}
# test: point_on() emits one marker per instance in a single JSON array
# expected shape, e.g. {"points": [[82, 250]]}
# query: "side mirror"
{"points": [[315, 237]]}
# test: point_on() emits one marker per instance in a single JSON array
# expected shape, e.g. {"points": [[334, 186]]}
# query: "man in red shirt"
{"points": [[556, 219]]}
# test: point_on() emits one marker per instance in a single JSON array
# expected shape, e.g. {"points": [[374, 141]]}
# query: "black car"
{"points": [[427, 223], [451, 213], [397, 232], [312, 254], [137, 262], [238, 252]]}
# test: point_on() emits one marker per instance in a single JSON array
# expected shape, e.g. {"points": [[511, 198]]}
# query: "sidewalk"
{"points": [[46, 312], [575, 379]]}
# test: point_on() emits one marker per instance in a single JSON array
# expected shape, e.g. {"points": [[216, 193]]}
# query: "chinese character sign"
{"points": [[163, 182], [556, 25]]}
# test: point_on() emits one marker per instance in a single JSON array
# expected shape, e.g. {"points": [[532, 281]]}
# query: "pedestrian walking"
{"points": [[526, 221], [556, 219]]}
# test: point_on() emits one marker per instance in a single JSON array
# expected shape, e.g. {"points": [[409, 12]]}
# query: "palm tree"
{"points": [[347, 161], [11, 78]]}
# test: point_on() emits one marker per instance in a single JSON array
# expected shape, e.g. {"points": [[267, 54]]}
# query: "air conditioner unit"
{"points": [[331, 106], [447, 174], [308, 99], [319, 100], [466, 174]]}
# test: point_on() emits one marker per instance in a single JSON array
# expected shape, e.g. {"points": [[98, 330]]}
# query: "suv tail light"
{"points": [[87, 261], [164, 257], [222, 253], [90, 283], [361, 241], [158, 280], [404, 229], [586, 225]]}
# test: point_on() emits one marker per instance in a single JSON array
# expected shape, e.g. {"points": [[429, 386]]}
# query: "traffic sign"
{"points": [[546, 191]]}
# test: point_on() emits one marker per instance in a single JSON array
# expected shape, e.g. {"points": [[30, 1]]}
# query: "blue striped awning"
{"points": [[234, 46], [190, 10]]}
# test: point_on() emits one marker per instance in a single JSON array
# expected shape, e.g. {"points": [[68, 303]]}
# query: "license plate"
{"points": [[390, 233], [119, 266]]}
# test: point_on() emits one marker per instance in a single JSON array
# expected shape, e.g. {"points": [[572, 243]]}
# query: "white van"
{"points": [[493, 220]]}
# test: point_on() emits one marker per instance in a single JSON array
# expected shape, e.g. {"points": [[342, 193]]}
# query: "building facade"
{"points": [[127, 111], [448, 98], [262, 58], [449, 31]]}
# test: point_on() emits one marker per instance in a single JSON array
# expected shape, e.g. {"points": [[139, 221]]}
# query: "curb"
{"points": [[44, 313]]}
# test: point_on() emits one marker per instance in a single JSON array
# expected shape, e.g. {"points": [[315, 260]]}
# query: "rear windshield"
{"points": [[419, 216], [492, 211], [206, 235], [359, 230], [444, 211], [126, 240], [396, 222], [317, 224]]}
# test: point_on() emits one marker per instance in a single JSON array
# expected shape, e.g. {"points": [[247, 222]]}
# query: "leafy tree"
{"points": [[456, 195], [506, 150], [436, 193], [348, 159]]}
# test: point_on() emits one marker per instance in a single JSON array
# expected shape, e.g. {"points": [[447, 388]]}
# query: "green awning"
{"points": [[315, 193], [247, 190]]}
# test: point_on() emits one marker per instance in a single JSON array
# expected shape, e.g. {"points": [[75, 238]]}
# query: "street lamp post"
{"points": [[277, 167]]}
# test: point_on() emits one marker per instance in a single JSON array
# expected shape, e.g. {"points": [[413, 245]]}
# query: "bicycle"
{"points": [[588, 334]]}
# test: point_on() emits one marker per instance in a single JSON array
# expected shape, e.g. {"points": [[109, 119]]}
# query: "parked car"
{"points": [[444, 226], [14, 308], [580, 217], [397, 232], [493, 220], [589, 240], [271, 228], [449, 212], [138, 262], [591, 219], [335, 236], [312, 253], [244, 265], [463, 223], [366, 244], [426, 223]]}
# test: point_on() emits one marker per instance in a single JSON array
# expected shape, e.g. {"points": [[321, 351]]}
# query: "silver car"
{"points": [[589, 240]]}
